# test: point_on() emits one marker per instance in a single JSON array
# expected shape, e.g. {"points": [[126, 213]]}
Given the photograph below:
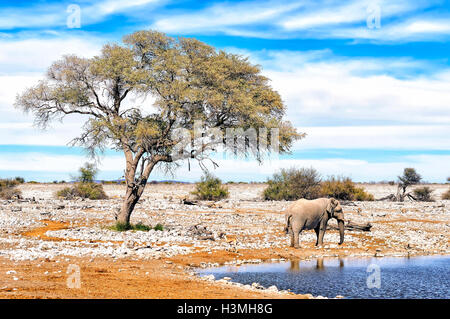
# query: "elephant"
{"points": [[313, 214]]}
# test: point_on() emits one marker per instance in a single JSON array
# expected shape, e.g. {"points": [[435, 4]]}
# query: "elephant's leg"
{"points": [[296, 230], [322, 229], [296, 239], [317, 230], [292, 238]]}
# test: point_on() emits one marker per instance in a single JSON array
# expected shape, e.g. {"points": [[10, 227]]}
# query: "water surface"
{"points": [[388, 277]]}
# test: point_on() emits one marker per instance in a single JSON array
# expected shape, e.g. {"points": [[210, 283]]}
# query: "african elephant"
{"points": [[313, 214]]}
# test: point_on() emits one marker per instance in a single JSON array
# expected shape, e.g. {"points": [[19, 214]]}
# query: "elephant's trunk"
{"points": [[341, 231]]}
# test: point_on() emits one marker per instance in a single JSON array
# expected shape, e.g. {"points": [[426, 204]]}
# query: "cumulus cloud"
{"points": [[336, 91], [402, 20]]}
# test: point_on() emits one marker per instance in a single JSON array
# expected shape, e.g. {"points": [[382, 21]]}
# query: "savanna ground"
{"points": [[40, 239]]}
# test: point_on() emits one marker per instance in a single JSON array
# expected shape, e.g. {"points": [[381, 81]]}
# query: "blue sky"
{"points": [[373, 98]]}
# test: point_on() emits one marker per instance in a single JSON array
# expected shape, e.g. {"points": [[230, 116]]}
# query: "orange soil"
{"points": [[103, 278]]}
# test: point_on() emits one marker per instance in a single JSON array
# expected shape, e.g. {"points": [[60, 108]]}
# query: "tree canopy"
{"points": [[186, 79]]}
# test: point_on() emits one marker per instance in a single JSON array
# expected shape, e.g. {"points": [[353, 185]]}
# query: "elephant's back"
{"points": [[303, 203], [296, 205]]}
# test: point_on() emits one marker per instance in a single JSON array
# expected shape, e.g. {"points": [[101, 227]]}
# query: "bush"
{"points": [[343, 188], [19, 180], [423, 194], [292, 184], [66, 193], [136, 227], [446, 195], [210, 188], [8, 189], [83, 190]]}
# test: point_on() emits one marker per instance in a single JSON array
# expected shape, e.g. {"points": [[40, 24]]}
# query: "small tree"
{"points": [[292, 184], [410, 177], [85, 188], [210, 188], [189, 82], [87, 173]]}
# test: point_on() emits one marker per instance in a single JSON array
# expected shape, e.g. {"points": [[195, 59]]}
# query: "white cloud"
{"points": [[401, 20], [357, 91], [219, 17], [55, 15], [401, 137], [35, 55]]}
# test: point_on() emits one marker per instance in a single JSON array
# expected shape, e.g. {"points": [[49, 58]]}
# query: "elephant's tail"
{"points": [[288, 223]]}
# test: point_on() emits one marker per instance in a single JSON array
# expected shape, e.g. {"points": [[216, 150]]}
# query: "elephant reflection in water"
{"points": [[295, 264], [319, 264]]}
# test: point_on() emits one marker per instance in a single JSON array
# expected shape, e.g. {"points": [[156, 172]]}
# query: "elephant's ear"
{"points": [[330, 206], [335, 202]]}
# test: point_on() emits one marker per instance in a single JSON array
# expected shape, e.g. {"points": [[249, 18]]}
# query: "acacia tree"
{"points": [[410, 177], [186, 80]]}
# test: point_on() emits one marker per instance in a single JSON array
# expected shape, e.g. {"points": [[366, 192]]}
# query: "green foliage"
{"points": [[423, 194], [83, 190], [210, 188], [343, 188], [292, 184], [409, 177], [66, 193], [8, 189], [90, 190], [87, 173], [136, 227], [446, 195]]}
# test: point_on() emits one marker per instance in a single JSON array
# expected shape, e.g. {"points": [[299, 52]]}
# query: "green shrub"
{"points": [[141, 227], [210, 188], [83, 190], [66, 193], [90, 190], [136, 227], [446, 195], [8, 189], [343, 188], [423, 194], [292, 184]]}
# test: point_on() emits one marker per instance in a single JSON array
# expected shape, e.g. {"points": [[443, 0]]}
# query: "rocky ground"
{"points": [[41, 238]]}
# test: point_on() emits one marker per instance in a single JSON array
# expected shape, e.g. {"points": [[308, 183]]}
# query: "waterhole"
{"points": [[388, 277]]}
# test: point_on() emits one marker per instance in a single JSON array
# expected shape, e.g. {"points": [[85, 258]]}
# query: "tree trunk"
{"points": [[131, 199]]}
